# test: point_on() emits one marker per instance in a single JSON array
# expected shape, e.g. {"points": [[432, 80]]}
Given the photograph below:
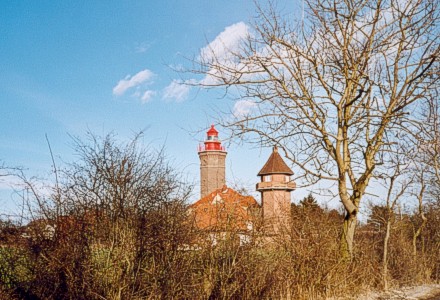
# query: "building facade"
{"points": [[221, 209]]}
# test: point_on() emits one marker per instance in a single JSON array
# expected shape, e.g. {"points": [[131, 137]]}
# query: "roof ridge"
{"points": [[226, 191]]}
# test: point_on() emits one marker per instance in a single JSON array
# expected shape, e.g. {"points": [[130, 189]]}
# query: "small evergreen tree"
{"points": [[309, 202]]}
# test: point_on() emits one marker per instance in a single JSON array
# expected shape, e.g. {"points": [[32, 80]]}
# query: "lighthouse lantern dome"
{"points": [[212, 142]]}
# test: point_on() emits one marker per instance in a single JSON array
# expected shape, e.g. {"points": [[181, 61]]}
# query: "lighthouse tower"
{"points": [[212, 163], [275, 188]]}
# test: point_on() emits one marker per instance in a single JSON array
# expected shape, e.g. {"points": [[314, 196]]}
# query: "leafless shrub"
{"points": [[109, 229]]}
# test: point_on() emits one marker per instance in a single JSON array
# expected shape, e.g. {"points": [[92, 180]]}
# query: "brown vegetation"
{"points": [[138, 251]]}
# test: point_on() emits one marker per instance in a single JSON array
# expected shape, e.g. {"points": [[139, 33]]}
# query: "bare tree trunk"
{"points": [[418, 231], [385, 254], [348, 236]]}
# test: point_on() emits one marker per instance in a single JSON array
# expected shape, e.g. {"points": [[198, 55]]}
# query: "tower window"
{"points": [[267, 178]]}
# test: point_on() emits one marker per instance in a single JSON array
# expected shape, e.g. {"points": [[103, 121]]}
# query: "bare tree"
{"points": [[430, 143], [335, 90], [421, 179], [396, 182], [425, 161], [118, 210]]}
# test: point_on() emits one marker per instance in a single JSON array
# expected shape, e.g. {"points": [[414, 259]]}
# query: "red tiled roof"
{"points": [[275, 165], [223, 210]]}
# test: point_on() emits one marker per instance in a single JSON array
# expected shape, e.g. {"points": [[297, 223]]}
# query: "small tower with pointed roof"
{"points": [[275, 188], [212, 163]]}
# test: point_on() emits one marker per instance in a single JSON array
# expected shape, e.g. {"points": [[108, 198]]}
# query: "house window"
{"points": [[244, 239], [249, 226], [213, 238]]}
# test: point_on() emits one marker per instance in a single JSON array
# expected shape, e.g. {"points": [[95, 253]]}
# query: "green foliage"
{"points": [[16, 267], [309, 202]]}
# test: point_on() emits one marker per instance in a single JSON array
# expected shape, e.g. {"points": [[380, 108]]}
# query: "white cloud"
{"points": [[146, 97], [223, 50], [227, 41], [142, 47], [243, 108], [132, 81], [9, 182], [176, 90]]}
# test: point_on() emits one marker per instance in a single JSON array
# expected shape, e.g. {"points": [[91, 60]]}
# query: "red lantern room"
{"points": [[212, 143]]}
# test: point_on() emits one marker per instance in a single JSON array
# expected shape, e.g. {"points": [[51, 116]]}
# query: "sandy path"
{"points": [[423, 292]]}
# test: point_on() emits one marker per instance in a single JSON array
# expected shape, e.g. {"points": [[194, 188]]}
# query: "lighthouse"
{"points": [[212, 163]]}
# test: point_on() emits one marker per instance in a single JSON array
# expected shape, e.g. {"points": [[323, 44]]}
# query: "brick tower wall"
{"points": [[212, 171], [276, 210], [276, 204]]}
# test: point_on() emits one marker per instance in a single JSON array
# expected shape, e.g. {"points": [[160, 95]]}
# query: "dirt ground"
{"points": [[423, 292]]}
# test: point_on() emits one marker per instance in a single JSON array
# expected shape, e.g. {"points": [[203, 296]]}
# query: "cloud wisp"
{"points": [[242, 108], [176, 90], [132, 81], [147, 95], [142, 47]]}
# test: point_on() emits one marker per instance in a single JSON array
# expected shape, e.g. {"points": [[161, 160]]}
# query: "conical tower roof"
{"points": [[275, 165]]}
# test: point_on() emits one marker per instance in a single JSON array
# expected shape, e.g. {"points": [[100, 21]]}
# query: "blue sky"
{"points": [[72, 66]]}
